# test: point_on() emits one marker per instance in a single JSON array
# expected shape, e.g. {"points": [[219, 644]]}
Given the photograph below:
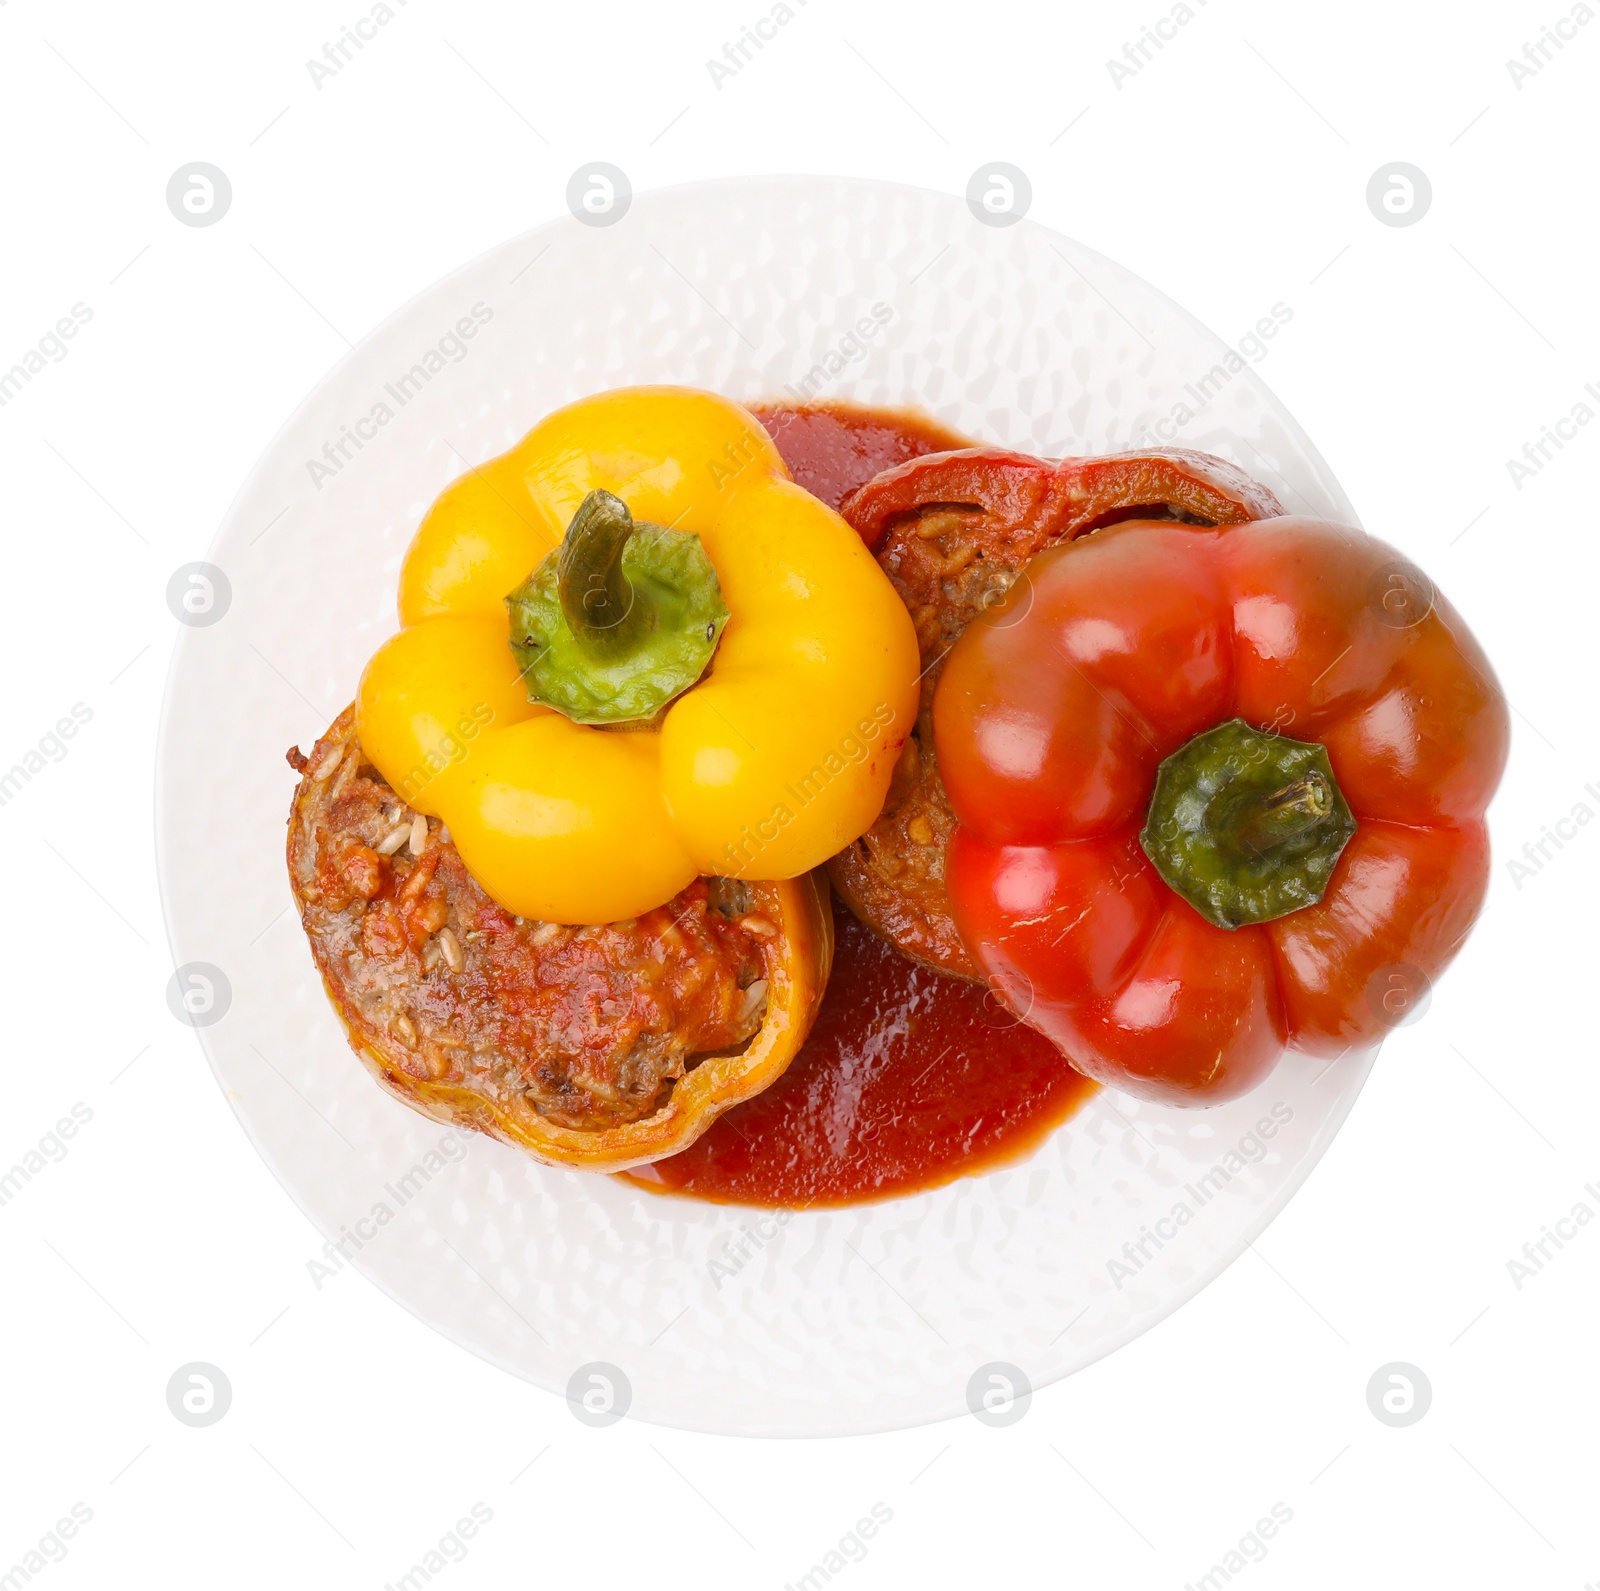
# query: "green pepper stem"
{"points": [[1295, 809], [1246, 825], [605, 614], [618, 620]]}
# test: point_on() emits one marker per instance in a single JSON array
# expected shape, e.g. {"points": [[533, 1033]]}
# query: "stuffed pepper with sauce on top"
{"points": [[559, 861]]}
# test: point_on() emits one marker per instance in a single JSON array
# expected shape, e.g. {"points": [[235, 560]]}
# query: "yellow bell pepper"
{"points": [[776, 758]]}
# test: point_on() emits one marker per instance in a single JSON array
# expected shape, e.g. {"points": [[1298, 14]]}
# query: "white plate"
{"points": [[719, 1319]]}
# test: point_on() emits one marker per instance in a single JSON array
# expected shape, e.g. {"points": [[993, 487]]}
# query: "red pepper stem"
{"points": [[1246, 825], [1269, 820]]}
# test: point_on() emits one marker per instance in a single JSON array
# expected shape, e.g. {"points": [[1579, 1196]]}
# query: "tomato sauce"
{"points": [[832, 448], [909, 1079]]}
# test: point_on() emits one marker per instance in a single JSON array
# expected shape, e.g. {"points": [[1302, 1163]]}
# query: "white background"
{"points": [[1231, 171]]}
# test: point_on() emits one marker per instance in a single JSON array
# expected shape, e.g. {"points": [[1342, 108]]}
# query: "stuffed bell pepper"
{"points": [[557, 861]]}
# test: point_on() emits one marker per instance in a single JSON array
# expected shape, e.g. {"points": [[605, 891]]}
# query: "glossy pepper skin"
{"points": [[779, 756], [1114, 652]]}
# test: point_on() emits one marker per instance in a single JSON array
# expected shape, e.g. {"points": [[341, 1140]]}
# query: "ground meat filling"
{"points": [[591, 1025]]}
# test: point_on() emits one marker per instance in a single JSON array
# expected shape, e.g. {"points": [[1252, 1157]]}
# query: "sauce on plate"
{"points": [[909, 1080], [832, 448]]}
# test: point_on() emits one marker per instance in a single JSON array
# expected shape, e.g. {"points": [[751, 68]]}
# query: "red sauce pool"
{"points": [[832, 448], [909, 1079]]}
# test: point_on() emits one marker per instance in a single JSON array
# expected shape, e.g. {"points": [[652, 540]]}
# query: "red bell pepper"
{"points": [[1220, 792]]}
